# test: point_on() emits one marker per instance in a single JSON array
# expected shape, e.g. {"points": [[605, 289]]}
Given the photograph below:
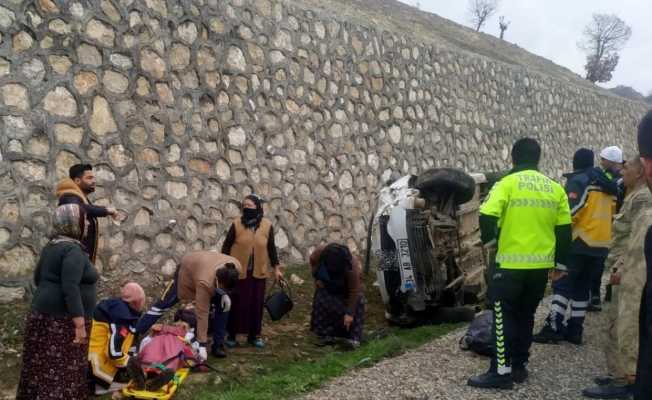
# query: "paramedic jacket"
{"points": [[592, 199], [112, 334]]}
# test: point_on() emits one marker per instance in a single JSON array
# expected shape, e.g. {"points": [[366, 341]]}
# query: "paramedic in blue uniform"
{"points": [[592, 209]]}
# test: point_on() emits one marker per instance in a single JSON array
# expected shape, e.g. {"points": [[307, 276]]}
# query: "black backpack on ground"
{"points": [[478, 337]]}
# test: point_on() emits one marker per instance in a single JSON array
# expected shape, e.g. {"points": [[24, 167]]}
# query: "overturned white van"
{"points": [[426, 242]]}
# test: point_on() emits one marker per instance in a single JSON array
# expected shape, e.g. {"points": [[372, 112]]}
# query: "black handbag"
{"points": [[279, 303]]}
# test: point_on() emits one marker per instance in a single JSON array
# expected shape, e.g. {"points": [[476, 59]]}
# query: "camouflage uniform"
{"points": [[626, 254]]}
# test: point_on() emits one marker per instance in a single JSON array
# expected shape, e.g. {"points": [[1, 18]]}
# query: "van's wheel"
{"points": [[444, 182], [451, 315]]}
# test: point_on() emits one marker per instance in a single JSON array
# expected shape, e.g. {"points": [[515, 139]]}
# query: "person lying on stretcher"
{"points": [[167, 349]]}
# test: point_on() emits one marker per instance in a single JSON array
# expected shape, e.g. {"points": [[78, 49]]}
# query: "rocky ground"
{"points": [[439, 370]]}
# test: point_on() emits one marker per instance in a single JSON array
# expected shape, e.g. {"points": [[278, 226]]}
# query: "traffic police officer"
{"points": [[526, 215]]}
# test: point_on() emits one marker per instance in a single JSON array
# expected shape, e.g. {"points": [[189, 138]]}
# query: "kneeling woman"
{"points": [[338, 306]]}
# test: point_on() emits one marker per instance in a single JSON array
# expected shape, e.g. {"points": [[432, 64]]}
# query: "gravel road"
{"points": [[439, 370]]}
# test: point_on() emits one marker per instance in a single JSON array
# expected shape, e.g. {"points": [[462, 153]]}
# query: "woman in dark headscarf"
{"points": [[250, 240], [338, 306], [55, 347]]}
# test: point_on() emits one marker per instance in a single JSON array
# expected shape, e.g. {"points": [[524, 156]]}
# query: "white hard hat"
{"points": [[613, 154]]}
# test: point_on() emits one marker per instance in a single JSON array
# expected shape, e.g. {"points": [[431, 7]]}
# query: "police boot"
{"points": [[491, 380], [611, 391], [547, 335]]}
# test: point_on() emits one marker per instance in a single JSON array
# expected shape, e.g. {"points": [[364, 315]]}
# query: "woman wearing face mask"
{"points": [[250, 240], [55, 346]]}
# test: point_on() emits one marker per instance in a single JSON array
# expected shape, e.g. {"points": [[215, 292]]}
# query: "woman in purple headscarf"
{"points": [[251, 241]]}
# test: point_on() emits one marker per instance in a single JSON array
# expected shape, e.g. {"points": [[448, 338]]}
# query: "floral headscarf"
{"points": [[69, 222]]}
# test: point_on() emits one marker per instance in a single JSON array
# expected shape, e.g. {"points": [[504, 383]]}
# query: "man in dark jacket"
{"points": [[592, 209], [643, 390], [75, 189]]}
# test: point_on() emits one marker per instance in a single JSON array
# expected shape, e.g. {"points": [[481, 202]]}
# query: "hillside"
{"points": [[406, 20]]}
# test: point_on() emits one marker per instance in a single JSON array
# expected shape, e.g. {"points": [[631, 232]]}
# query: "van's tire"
{"points": [[438, 183], [453, 315]]}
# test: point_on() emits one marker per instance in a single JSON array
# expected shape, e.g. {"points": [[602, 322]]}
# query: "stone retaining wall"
{"points": [[185, 106]]}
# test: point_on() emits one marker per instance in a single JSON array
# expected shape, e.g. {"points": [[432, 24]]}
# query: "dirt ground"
{"points": [[287, 340]]}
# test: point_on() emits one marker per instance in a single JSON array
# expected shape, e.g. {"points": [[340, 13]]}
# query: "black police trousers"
{"points": [[515, 294]]}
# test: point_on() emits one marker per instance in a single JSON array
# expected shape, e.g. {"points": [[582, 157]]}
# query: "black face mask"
{"points": [[249, 214]]}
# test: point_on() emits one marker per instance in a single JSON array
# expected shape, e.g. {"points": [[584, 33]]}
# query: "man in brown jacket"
{"points": [[202, 277], [75, 190]]}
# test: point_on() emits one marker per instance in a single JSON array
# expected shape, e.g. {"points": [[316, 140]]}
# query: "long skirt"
{"points": [[246, 315], [327, 318], [53, 366]]}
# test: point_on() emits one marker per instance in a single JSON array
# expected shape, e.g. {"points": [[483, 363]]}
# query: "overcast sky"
{"points": [[552, 29]]}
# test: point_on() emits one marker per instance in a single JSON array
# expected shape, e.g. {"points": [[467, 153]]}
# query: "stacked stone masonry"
{"points": [[185, 106]]}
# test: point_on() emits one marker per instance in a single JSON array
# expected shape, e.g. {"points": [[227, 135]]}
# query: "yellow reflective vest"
{"points": [[529, 206]]}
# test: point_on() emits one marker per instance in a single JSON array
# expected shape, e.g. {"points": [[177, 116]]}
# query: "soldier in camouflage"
{"points": [[626, 260]]}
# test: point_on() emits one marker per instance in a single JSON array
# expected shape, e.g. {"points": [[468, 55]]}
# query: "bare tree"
{"points": [[480, 11], [503, 25], [602, 40]]}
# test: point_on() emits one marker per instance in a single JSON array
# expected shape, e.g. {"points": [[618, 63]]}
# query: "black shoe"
{"points": [[574, 339], [325, 341], [519, 375], [160, 380], [350, 344], [604, 380], [547, 336], [491, 380], [136, 373], [610, 391], [218, 352]]}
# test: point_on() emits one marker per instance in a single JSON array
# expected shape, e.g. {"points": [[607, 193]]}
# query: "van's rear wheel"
{"points": [[438, 183], [451, 315]]}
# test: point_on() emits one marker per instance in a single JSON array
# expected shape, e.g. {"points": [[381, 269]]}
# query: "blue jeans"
{"points": [[219, 319], [217, 322]]}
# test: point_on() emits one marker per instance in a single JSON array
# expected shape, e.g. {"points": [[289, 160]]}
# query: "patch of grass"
{"points": [[304, 376], [289, 365], [11, 342]]}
